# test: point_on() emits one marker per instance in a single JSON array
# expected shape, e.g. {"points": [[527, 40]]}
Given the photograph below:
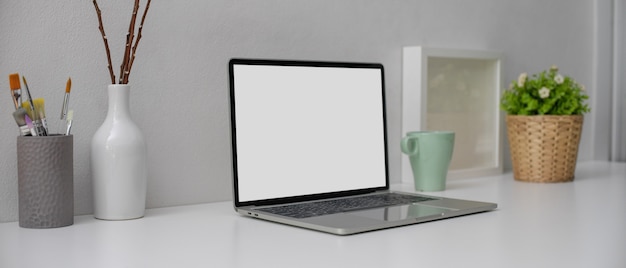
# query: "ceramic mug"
{"points": [[430, 153]]}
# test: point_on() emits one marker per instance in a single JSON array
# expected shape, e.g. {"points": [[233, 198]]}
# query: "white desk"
{"points": [[579, 224]]}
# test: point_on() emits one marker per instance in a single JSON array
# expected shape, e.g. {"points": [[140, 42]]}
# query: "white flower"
{"points": [[521, 80], [544, 92], [554, 68], [558, 79]]}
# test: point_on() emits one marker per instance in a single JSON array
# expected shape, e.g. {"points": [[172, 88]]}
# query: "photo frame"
{"points": [[457, 90]]}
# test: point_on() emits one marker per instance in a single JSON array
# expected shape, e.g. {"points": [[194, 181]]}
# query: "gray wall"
{"points": [[179, 80]]}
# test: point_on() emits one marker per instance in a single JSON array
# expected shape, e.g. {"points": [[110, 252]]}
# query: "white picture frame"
{"points": [[458, 90]]}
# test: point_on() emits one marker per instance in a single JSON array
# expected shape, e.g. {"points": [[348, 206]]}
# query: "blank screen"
{"points": [[302, 130]]}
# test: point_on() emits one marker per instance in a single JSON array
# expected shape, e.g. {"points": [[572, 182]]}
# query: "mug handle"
{"points": [[404, 145]]}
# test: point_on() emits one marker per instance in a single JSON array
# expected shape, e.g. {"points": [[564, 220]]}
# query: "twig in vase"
{"points": [[130, 36], [106, 42], [129, 49], [143, 18]]}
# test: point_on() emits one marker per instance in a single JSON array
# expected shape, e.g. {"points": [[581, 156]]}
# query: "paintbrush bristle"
{"points": [[70, 117], [14, 80], [29, 110], [20, 119], [19, 115], [68, 86], [40, 106]]}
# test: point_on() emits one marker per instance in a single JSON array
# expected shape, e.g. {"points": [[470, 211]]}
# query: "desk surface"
{"points": [[579, 224]]}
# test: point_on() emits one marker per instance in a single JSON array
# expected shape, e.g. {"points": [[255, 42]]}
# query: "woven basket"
{"points": [[544, 148]]}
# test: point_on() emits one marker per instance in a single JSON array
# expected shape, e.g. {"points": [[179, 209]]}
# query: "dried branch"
{"points": [[106, 42], [143, 18], [130, 49], [130, 36]]}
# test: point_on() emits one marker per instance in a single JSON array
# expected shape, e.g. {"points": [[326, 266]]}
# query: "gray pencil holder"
{"points": [[45, 171]]}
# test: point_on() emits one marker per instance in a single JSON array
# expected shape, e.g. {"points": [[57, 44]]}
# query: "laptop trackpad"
{"points": [[402, 212]]}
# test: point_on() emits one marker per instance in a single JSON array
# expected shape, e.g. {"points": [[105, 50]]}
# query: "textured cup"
{"points": [[45, 171]]}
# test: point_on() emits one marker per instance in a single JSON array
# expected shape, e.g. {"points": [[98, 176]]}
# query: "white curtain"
{"points": [[618, 139]]}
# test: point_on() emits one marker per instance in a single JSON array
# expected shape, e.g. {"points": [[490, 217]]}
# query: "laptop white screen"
{"points": [[303, 130]]}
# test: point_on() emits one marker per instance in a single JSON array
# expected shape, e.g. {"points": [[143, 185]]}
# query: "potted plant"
{"points": [[544, 124]]}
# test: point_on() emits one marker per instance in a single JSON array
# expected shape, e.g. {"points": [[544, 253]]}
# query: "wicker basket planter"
{"points": [[544, 148]]}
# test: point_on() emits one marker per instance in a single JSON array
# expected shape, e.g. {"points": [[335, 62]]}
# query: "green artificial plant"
{"points": [[545, 93]]}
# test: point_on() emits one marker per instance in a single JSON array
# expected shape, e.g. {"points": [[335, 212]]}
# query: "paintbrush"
{"points": [[41, 110], [30, 113], [66, 100], [30, 98], [20, 119], [16, 91], [29, 123], [70, 118], [39, 129], [39, 114]]}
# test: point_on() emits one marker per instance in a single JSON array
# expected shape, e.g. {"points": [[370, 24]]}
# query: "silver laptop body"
{"points": [[305, 131]]}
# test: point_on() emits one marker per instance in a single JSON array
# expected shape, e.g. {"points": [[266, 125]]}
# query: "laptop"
{"points": [[309, 149]]}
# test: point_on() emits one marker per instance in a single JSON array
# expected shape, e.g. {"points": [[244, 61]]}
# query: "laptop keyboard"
{"points": [[319, 208]]}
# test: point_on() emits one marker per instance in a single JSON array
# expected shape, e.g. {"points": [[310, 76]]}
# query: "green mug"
{"points": [[430, 153]]}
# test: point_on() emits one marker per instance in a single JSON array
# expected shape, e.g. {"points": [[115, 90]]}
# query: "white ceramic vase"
{"points": [[118, 162]]}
